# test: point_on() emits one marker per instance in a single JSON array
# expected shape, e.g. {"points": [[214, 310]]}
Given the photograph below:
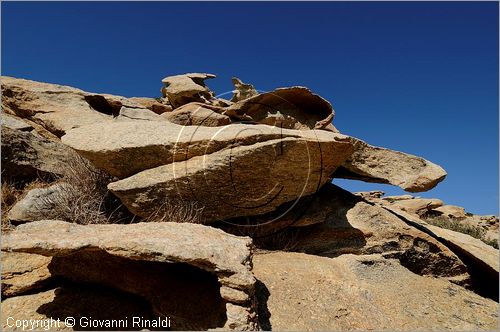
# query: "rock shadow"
{"points": [[188, 295]]}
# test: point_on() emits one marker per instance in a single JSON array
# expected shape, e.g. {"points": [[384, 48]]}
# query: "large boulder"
{"points": [[375, 164], [186, 88], [240, 180], [351, 292], [126, 148], [291, 108], [198, 275], [28, 155]]}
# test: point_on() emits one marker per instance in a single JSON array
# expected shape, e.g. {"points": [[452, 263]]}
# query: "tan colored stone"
{"points": [[350, 292], [452, 211], [23, 272], [124, 148], [112, 255], [197, 114], [127, 113], [380, 165], [242, 180], [186, 88], [418, 206], [291, 108], [15, 123], [242, 90]]}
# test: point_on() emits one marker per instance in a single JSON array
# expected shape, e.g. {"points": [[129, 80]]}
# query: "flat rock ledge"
{"points": [[226, 256]]}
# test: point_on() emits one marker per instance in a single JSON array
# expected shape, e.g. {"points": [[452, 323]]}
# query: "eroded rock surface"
{"points": [[242, 90], [115, 249], [28, 155], [375, 164], [291, 108], [239, 181], [353, 292]]}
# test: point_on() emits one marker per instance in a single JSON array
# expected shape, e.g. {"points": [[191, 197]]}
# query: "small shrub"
{"points": [[177, 211]]}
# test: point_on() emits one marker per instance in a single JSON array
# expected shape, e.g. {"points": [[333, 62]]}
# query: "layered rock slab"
{"points": [[361, 293], [239, 181], [126, 148], [225, 256], [186, 88]]}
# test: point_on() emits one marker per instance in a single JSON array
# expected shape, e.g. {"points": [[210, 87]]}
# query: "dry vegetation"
{"points": [[461, 227]]}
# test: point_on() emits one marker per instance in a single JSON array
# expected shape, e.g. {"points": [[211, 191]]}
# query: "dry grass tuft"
{"points": [[177, 211], [84, 197]]}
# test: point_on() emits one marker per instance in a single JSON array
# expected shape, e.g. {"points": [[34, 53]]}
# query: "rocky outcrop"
{"points": [[353, 292], [242, 90], [239, 181], [28, 155], [186, 88], [126, 148], [291, 108], [346, 224], [197, 114], [137, 258], [374, 164], [23, 273]]}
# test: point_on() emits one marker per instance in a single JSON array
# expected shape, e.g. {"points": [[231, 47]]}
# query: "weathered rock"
{"points": [[197, 114], [242, 90], [375, 164], [350, 292], [135, 258], [37, 204], [482, 259], [27, 155], [346, 224], [239, 181], [397, 198], [186, 88], [152, 104], [13, 122], [291, 108], [56, 107], [128, 147], [127, 113], [23, 272], [86, 304]]}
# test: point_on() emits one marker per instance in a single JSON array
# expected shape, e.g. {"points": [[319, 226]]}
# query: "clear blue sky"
{"points": [[416, 77]]}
